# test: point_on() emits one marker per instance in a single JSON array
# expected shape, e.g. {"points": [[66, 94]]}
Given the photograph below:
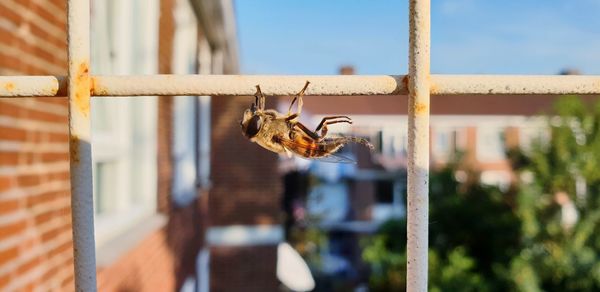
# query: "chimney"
{"points": [[570, 71], [347, 70]]}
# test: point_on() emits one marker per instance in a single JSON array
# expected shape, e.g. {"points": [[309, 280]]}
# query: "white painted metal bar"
{"points": [[245, 85], [80, 144], [418, 146], [515, 84], [19, 86]]}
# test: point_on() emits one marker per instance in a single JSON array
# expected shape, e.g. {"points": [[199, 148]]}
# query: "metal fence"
{"points": [[79, 85]]}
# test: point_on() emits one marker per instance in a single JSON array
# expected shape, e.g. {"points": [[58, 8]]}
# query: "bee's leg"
{"points": [[306, 131], [259, 98], [300, 94], [291, 117], [291, 104], [330, 121], [326, 119], [299, 98]]}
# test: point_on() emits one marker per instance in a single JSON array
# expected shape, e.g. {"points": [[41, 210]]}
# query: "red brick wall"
{"points": [[246, 190], [35, 42], [246, 185], [148, 267], [35, 218], [245, 269]]}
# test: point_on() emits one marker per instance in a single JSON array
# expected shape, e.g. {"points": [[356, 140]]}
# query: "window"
{"points": [[124, 36], [490, 143], [533, 131], [191, 131], [388, 200], [205, 66], [444, 144], [392, 142]]}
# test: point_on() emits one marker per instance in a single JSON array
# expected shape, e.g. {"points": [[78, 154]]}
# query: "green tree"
{"points": [[473, 236], [558, 203], [541, 235]]}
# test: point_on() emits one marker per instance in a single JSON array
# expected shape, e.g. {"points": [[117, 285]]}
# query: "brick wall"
{"points": [[148, 267], [35, 214], [246, 190], [246, 185], [245, 269]]}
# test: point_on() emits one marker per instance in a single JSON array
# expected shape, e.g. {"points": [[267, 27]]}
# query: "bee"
{"points": [[285, 134]]}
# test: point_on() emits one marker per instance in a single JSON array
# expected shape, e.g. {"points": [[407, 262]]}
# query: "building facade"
{"points": [[175, 184]]}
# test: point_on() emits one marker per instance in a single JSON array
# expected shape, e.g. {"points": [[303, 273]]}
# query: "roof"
{"points": [[527, 105]]}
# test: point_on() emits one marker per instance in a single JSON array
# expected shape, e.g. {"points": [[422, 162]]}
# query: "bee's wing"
{"points": [[333, 158], [297, 148]]}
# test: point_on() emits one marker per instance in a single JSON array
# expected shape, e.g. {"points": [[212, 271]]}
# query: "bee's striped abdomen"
{"points": [[319, 149]]}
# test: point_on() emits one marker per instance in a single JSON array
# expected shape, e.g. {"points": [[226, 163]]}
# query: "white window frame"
{"points": [[129, 144]]}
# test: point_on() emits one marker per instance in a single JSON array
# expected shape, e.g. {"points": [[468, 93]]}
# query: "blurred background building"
{"points": [[349, 202]]}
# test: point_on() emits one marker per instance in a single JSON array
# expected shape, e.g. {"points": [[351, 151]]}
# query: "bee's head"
{"points": [[251, 122]]}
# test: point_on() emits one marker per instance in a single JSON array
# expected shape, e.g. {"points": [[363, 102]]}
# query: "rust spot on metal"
{"points": [[74, 148], [92, 85], [9, 86], [420, 108], [433, 88], [62, 86], [96, 89], [82, 88], [405, 81]]}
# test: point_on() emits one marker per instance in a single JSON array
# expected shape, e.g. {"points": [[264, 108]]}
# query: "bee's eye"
{"points": [[253, 126]]}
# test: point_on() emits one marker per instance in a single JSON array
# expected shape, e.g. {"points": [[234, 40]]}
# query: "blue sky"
{"points": [[468, 36]]}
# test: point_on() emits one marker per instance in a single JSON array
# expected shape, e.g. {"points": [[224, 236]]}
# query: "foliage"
{"points": [[543, 234], [469, 250], [386, 252], [561, 250], [309, 242]]}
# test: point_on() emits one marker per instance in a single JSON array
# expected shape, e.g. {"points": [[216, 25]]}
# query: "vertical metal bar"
{"points": [[418, 145], [79, 145]]}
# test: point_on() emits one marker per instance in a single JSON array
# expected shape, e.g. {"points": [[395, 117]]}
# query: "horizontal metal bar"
{"points": [[245, 85], [515, 84], [16, 86]]}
